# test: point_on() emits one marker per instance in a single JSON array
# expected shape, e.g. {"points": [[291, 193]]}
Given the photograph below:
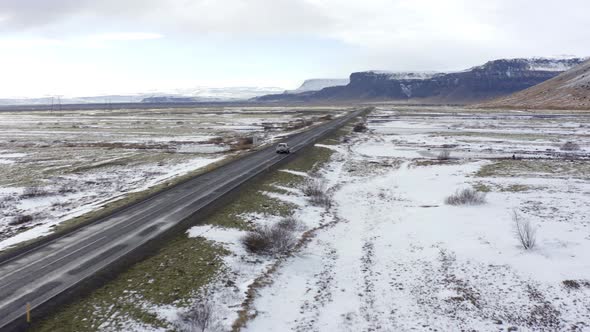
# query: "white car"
{"points": [[283, 148]]}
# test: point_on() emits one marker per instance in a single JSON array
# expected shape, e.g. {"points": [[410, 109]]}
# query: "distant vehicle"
{"points": [[283, 148]]}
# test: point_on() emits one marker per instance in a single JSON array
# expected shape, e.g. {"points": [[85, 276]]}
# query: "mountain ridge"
{"points": [[570, 89], [493, 79]]}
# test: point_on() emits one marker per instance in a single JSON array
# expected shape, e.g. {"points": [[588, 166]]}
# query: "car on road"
{"points": [[283, 148]]}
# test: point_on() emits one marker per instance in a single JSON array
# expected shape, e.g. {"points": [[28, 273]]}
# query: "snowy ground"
{"points": [[78, 161], [390, 255]]}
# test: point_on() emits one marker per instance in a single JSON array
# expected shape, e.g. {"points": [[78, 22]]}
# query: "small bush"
{"points": [[360, 127], [271, 240], [444, 155], [315, 187], [32, 192], [216, 140], [5, 201], [21, 219], [524, 231], [570, 146], [243, 143], [197, 319], [467, 196], [66, 189], [317, 193], [290, 223], [571, 284], [323, 200]]}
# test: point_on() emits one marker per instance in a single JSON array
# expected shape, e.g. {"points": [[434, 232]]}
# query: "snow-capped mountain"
{"points": [[409, 75], [490, 80], [317, 84]]}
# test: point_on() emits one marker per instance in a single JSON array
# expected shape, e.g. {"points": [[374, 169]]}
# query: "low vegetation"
{"points": [[21, 219], [243, 143], [5, 201], [197, 319], [570, 146], [317, 193], [444, 155], [552, 167], [171, 276], [314, 187], [525, 232], [291, 223], [468, 196], [360, 127], [575, 284], [277, 239], [33, 192]]}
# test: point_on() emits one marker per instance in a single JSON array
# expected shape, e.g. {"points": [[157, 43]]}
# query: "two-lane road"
{"points": [[42, 273]]}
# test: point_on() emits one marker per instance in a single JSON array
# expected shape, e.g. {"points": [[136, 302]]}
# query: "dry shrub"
{"points": [[571, 284], [66, 189], [32, 192], [323, 200], [291, 224], [468, 196], [21, 219], [197, 319], [444, 155], [570, 146], [360, 127], [314, 187], [317, 193], [269, 240], [216, 140], [524, 231], [302, 123], [5, 201], [243, 143]]}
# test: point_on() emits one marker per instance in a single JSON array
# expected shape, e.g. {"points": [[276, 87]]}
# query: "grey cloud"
{"points": [[31, 14]]}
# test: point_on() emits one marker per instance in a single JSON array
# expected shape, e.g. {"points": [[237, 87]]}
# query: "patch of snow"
{"points": [[295, 172], [416, 75]]}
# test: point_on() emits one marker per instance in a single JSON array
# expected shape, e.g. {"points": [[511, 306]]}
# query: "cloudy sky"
{"points": [[89, 47]]}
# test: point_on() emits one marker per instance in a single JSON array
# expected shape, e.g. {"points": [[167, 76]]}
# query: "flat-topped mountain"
{"points": [[490, 80]]}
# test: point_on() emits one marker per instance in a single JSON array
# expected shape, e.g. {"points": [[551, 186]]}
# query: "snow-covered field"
{"points": [[59, 165], [390, 255]]}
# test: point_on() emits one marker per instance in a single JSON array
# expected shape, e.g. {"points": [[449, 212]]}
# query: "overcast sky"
{"points": [[90, 47]]}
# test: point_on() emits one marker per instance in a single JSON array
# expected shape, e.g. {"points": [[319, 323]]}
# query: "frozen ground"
{"points": [[59, 165], [390, 255]]}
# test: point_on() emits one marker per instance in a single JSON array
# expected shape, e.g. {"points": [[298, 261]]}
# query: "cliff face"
{"points": [[569, 90], [493, 79]]}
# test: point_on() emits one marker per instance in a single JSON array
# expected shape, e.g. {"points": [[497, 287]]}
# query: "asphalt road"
{"points": [[42, 273]]}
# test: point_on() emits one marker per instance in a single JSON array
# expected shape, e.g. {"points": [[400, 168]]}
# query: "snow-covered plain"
{"points": [[390, 255], [81, 160]]}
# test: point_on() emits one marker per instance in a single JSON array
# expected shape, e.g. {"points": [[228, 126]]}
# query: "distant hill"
{"points": [[197, 94], [493, 79], [569, 90]]}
